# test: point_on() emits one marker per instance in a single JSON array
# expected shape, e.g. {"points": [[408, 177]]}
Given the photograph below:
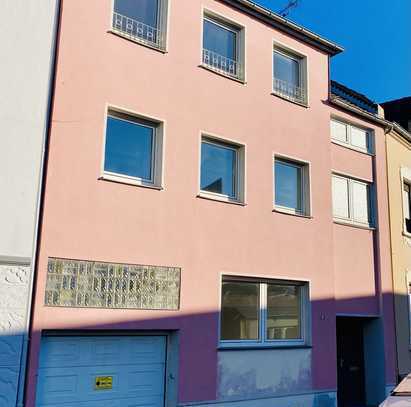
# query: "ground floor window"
{"points": [[263, 312]]}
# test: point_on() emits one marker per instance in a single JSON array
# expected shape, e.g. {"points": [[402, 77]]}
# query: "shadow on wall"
{"points": [[205, 372]]}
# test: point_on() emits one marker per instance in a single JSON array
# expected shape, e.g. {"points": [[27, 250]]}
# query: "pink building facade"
{"points": [[249, 254]]}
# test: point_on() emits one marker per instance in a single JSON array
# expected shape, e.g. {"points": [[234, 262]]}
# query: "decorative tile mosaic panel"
{"points": [[76, 283]]}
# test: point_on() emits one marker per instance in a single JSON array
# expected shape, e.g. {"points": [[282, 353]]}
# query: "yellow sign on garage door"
{"points": [[103, 383]]}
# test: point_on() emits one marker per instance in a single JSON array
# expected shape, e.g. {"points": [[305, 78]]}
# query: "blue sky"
{"points": [[376, 35]]}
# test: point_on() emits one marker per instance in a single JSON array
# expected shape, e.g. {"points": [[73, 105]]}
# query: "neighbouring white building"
{"points": [[27, 37]]}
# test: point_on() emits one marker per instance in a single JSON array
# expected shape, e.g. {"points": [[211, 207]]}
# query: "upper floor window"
{"points": [[290, 75], [351, 200], [132, 149], [291, 186], [222, 166], [222, 47], [407, 206], [263, 312], [351, 136], [142, 20]]}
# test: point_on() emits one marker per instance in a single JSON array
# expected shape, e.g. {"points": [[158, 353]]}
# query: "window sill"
{"points": [[286, 212], [350, 147], [295, 101], [227, 347], [127, 181], [218, 198], [137, 41], [224, 75], [406, 234], [353, 224]]}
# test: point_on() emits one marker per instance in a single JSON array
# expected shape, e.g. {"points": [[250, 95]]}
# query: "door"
{"points": [[103, 371], [350, 360]]}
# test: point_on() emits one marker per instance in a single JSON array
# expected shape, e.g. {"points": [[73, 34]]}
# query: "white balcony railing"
{"points": [[136, 30], [221, 64], [289, 90]]}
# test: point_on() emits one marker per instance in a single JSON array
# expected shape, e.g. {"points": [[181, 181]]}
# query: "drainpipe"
{"points": [[23, 374]]}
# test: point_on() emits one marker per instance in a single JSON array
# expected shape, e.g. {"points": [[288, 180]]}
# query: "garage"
{"points": [[104, 371]]}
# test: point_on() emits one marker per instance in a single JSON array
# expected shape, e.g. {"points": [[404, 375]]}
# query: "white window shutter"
{"points": [[339, 131], [340, 197], [359, 138], [360, 202]]}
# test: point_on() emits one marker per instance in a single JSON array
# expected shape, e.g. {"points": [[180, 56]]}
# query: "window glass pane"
{"points": [[288, 185], [360, 202], [340, 197], [219, 40], [240, 311], [283, 312], [286, 69], [129, 148], [144, 11], [407, 207], [218, 169], [359, 138], [339, 131]]}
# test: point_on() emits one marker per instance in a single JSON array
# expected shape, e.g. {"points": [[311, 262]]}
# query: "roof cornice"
{"points": [[281, 23]]}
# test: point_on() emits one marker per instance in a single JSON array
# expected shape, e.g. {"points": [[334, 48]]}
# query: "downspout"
{"points": [[23, 374]]}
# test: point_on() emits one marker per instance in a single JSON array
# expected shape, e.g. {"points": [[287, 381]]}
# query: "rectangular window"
{"points": [[407, 206], [289, 76], [263, 312], [352, 136], [142, 20], [291, 186], [351, 200], [221, 169], [132, 148], [222, 47]]}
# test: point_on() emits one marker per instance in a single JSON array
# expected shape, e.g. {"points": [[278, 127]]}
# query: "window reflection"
{"points": [[240, 311]]}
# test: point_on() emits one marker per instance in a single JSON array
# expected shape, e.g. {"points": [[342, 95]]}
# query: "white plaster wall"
{"points": [[14, 282], [25, 41], [269, 372]]}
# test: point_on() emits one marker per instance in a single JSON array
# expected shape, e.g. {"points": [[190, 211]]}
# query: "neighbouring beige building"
{"points": [[399, 184]]}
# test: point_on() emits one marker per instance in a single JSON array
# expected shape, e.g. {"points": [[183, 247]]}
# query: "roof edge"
{"points": [[286, 25]]}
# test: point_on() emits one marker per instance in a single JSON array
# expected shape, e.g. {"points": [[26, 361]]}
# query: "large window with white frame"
{"points": [[351, 136], [263, 312], [133, 149], [222, 170], [143, 21], [289, 75], [223, 46], [351, 200], [291, 186]]}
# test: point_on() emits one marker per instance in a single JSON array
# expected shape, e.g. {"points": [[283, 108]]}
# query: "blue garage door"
{"points": [[103, 371]]}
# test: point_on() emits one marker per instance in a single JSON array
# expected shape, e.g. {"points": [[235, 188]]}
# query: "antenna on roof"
{"points": [[286, 10]]}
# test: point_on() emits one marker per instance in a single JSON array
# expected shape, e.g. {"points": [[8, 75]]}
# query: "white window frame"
{"points": [[239, 184], [405, 179], [348, 144], [303, 72], [156, 180], [162, 27], [370, 196], [234, 27], [263, 342], [306, 204]]}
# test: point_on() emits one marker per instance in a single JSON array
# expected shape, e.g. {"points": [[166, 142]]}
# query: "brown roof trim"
{"points": [[281, 23]]}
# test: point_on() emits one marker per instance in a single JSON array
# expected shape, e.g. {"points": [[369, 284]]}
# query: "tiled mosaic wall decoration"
{"points": [[76, 283]]}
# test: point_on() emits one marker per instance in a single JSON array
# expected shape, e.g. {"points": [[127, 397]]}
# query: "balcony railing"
{"points": [[222, 64], [289, 90], [136, 30]]}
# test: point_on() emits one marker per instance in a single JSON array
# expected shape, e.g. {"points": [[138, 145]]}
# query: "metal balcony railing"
{"points": [[289, 90], [136, 30], [222, 64]]}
